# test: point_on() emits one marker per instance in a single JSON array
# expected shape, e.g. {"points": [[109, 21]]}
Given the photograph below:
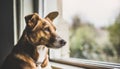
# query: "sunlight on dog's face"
{"points": [[41, 31]]}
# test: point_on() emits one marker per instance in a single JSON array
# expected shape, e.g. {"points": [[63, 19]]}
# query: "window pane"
{"points": [[94, 29]]}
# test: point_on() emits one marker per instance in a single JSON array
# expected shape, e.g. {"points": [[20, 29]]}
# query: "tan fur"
{"points": [[28, 60]]}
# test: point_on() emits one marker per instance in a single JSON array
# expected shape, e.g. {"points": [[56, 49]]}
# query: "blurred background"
{"points": [[94, 29]]}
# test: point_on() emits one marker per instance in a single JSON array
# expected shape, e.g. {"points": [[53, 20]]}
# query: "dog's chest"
{"points": [[42, 50]]}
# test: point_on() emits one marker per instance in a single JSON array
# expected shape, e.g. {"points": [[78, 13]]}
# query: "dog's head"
{"points": [[41, 31]]}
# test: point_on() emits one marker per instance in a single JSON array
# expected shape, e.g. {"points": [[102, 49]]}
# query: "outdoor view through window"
{"points": [[94, 29]]}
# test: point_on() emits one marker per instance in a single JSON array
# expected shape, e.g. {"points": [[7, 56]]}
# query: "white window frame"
{"points": [[21, 9]]}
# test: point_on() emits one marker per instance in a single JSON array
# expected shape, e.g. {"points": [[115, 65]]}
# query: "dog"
{"points": [[30, 52]]}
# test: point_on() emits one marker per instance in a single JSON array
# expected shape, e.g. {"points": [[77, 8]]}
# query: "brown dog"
{"points": [[39, 32]]}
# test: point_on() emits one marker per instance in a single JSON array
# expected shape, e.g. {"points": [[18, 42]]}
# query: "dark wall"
{"points": [[6, 28]]}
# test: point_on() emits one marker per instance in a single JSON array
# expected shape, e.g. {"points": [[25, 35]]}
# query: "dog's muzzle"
{"points": [[56, 42]]}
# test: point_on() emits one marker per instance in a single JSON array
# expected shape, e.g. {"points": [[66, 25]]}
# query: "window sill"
{"points": [[89, 64], [63, 66]]}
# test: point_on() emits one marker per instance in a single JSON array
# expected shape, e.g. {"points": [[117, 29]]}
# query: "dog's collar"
{"points": [[38, 63]]}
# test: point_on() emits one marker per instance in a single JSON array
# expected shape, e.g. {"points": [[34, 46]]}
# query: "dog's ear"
{"points": [[52, 15], [31, 20]]}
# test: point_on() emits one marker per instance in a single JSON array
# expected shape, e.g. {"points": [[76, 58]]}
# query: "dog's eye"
{"points": [[47, 29]]}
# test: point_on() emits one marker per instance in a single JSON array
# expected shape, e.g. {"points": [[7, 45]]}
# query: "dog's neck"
{"points": [[30, 50], [26, 48]]}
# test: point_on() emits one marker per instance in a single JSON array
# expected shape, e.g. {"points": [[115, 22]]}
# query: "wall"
{"points": [[6, 28]]}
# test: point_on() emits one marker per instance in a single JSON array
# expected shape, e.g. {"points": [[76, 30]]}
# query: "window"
{"points": [[94, 29], [91, 29]]}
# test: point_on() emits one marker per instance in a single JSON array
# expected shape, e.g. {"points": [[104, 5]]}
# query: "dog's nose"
{"points": [[62, 42]]}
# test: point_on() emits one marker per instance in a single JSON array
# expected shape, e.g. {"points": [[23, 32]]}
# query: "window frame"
{"points": [[85, 63]]}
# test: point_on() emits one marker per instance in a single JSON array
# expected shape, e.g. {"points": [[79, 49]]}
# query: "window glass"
{"points": [[94, 29]]}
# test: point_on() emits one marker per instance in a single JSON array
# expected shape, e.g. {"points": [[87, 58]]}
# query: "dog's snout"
{"points": [[62, 42]]}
